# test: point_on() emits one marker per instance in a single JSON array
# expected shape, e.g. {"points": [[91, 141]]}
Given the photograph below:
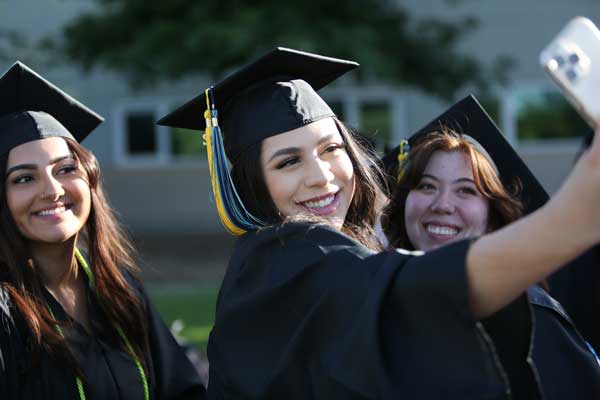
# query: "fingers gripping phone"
{"points": [[572, 60]]}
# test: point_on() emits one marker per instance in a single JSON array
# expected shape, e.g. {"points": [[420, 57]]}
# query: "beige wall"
{"points": [[163, 200]]}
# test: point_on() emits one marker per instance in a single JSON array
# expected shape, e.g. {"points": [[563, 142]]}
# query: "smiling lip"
{"points": [[441, 231], [54, 212], [322, 205]]}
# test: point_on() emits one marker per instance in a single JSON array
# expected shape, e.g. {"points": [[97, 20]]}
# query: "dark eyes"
{"points": [[67, 169], [467, 190], [26, 178], [425, 186], [22, 179], [295, 159], [333, 147], [287, 162]]}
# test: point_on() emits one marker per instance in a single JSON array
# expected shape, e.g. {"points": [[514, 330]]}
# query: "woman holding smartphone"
{"points": [[309, 308]]}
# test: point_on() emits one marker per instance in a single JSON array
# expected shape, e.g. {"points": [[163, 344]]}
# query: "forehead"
{"points": [[38, 151], [452, 164], [306, 136]]}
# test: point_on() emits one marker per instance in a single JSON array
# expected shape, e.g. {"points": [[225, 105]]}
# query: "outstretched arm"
{"points": [[502, 264]]}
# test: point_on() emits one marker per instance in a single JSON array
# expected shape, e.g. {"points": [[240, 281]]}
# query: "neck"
{"points": [[56, 262]]}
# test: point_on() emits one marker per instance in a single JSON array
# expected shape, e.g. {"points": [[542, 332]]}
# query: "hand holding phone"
{"points": [[572, 60]]}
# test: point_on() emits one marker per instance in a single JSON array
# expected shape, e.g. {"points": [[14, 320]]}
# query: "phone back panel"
{"points": [[572, 60]]}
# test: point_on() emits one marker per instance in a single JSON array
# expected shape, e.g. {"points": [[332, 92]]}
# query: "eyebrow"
{"points": [[456, 181], [293, 150], [34, 166]]}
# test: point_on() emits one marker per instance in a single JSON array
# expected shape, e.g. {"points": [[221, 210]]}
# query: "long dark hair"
{"points": [[505, 205], [362, 213], [109, 253]]}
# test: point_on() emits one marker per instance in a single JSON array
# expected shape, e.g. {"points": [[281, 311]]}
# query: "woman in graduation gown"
{"points": [[309, 308], [449, 188], [75, 321]]}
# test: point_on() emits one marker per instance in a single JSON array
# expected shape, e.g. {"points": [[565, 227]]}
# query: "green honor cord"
{"points": [[138, 364]]}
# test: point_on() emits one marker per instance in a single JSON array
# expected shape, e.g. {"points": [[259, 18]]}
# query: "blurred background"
{"points": [[133, 61]]}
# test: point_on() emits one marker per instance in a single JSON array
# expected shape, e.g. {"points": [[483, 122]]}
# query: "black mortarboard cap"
{"points": [[31, 108], [271, 95], [468, 117]]}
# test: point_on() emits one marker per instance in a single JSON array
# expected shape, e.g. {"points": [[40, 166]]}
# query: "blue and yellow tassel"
{"points": [[234, 216]]}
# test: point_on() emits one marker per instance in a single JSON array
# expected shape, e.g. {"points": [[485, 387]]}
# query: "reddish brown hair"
{"points": [[505, 205]]}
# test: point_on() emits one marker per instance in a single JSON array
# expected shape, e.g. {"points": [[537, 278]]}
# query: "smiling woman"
{"points": [[47, 192], [310, 308], [446, 205], [75, 321], [449, 188], [308, 170]]}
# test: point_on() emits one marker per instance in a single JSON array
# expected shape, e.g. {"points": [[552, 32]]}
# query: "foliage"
{"points": [[194, 306], [152, 39], [9, 41], [550, 117]]}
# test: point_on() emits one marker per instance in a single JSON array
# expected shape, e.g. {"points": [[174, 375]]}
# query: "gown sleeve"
{"points": [[175, 378], [305, 312]]}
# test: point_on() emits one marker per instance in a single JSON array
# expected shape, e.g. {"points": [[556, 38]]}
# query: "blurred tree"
{"points": [[153, 39], [9, 41]]}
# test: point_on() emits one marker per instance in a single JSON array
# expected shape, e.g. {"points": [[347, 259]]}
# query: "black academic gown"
{"points": [[561, 359], [109, 370], [577, 287], [306, 313]]}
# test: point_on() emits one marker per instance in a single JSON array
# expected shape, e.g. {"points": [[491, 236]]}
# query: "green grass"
{"points": [[195, 306]]}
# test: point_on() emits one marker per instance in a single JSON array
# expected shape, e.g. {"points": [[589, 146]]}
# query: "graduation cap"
{"points": [[274, 94], [31, 108], [469, 118]]}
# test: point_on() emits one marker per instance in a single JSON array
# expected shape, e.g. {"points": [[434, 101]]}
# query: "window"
{"points": [[377, 113], [141, 138], [139, 141], [541, 112]]}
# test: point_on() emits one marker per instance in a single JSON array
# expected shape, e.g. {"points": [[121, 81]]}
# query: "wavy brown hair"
{"points": [[109, 253], [505, 205], [362, 213]]}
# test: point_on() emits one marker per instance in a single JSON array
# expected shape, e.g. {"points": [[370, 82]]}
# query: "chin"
{"points": [[53, 238]]}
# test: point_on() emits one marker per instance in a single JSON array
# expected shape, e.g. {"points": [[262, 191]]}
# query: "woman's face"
{"points": [[446, 205], [47, 192], [307, 170]]}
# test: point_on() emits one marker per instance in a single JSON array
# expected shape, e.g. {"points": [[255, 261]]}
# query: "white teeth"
{"points": [[441, 230], [321, 203], [57, 210]]}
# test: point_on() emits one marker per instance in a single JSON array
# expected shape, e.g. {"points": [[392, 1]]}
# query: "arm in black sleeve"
{"points": [[304, 309]]}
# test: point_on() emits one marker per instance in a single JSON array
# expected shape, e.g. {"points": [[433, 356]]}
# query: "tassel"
{"points": [[402, 158], [234, 216]]}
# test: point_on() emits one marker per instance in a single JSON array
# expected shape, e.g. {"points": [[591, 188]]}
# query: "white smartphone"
{"points": [[572, 60]]}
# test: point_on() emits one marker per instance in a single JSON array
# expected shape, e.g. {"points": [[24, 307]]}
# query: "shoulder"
{"points": [[291, 232], [292, 239], [541, 299]]}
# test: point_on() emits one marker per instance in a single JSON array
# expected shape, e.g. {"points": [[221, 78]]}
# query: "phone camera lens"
{"points": [[560, 60], [571, 74], [573, 58]]}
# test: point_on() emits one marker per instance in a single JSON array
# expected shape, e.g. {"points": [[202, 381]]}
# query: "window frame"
{"points": [[350, 97]]}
